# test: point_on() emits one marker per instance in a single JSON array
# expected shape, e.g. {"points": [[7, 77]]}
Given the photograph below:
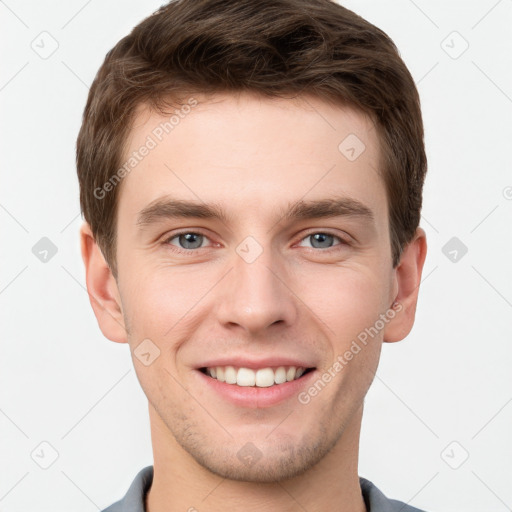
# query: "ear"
{"points": [[102, 288], [407, 282]]}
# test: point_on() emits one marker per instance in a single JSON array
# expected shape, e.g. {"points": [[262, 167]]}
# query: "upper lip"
{"points": [[253, 363]]}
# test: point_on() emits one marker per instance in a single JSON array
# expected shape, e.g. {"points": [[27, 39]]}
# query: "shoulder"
{"points": [[133, 500], [115, 507], [376, 501]]}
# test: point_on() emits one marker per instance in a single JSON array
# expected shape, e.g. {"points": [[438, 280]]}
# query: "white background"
{"points": [[449, 381]]}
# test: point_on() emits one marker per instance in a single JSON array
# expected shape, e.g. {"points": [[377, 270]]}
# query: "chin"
{"points": [[263, 461]]}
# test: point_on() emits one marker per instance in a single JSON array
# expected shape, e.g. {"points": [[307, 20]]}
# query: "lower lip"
{"points": [[255, 397]]}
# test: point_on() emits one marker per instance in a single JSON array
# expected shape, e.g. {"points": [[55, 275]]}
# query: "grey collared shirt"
{"points": [[133, 500]]}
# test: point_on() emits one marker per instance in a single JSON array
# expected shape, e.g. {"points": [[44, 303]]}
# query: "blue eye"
{"points": [[321, 240], [188, 240]]}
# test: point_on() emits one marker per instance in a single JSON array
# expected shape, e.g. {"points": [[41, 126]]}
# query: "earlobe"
{"points": [[102, 288], [408, 278]]}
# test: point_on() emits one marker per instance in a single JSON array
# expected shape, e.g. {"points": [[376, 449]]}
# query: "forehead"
{"points": [[252, 154]]}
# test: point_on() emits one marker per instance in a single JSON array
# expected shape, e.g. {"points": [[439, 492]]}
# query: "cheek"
{"points": [[350, 300], [160, 308], [164, 302], [162, 299]]}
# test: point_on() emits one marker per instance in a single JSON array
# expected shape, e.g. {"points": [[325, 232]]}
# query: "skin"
{"points": [[254, 156]]}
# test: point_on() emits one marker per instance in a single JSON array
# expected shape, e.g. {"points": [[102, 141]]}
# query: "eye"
{"points": [[321, 240], [187, 240]]}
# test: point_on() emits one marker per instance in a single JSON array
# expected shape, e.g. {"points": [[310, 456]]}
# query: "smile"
{"points": [[262, 377]]}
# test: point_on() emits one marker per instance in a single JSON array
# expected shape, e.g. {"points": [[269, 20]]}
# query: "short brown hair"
{"points": [[276, 48]]}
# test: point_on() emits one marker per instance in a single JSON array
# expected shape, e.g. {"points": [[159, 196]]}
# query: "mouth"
{"points": [[252, 382], [258, 377]]}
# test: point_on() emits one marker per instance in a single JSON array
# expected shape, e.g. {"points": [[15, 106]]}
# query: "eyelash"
{"points": [[190, 252]]}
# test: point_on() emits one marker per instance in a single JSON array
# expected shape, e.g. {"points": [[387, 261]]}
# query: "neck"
{"points": [[180, 483]]}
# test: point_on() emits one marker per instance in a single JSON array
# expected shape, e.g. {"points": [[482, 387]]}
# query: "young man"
{"points": [[251, 179]]}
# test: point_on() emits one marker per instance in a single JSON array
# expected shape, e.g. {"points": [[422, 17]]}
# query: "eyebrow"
{"points": [[170, 208]]}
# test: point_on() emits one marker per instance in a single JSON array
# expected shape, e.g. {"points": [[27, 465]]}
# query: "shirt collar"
{"points": [[134, 499]]}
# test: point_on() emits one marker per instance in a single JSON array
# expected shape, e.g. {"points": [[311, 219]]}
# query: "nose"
{"points": [[256, 295]]}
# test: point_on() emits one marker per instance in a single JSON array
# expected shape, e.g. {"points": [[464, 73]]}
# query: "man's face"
{"points": [[258, 288]]}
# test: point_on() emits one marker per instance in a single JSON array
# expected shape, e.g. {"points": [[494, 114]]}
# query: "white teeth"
{"points": [[290, 374], [280, 375], [262, 378], [265, 377], [245, 377], [230, 375]]}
